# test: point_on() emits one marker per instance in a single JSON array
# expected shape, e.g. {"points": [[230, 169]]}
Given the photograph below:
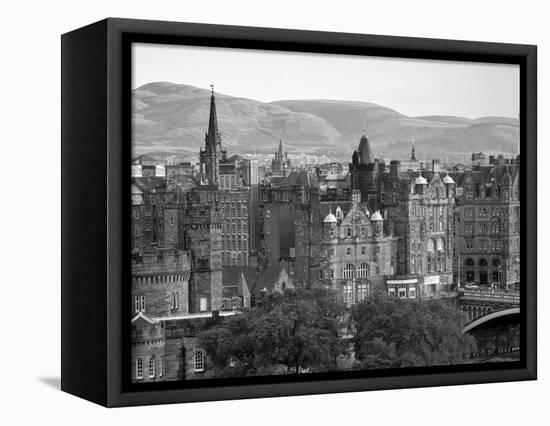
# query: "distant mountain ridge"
{"points": [[170, 117]]}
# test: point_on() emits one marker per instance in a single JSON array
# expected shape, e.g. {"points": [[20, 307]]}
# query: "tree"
{"points": [[391, 332], [293, 332]]}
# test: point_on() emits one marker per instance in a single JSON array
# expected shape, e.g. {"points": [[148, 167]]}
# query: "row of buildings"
{"points": [[207, 245]]}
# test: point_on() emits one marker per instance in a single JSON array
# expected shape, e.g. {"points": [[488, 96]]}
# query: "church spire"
{"points": [[413, 156], [280, 151], [213, 136]]}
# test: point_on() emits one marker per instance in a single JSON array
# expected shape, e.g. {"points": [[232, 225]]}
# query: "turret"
{"points": [[420, 184], [378, 223]]}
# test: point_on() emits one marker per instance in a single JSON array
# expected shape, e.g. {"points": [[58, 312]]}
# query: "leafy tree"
{"points": [[293, 332], [391, 332]]}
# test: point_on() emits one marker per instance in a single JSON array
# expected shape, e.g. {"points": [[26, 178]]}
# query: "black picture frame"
{"points": [[96, 103]]}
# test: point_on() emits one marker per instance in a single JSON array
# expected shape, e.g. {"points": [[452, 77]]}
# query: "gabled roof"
{"points": [[143, 317], [356, 215]]}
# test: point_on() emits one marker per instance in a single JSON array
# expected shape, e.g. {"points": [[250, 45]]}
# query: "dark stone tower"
{"points": [[365, 172], [203, 238], [212, 154]]}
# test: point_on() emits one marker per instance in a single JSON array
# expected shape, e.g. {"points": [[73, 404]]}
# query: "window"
{"points": [[161, 366], [152, 367], [363, 271], [321, 275], [348, 231], [349, 271], [391, 291], [348, 294], [137, 230], [136, 304], [412, 292], [139, 368], [361, 292], [469, 244], [331, 273], [142, 303], [441, 223], [202, 306], [199, 362], [401, 292], [363, 250], [348, 251]]}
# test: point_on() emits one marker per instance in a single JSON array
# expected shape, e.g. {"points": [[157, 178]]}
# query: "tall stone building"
{"points": [[487, 223], [417, 205], [202, 236], [356, 254], [230, 186]]}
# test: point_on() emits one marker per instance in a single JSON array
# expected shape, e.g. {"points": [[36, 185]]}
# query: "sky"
{"points": [[411, 87]]}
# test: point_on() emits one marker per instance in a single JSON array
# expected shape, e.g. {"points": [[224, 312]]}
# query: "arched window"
{"points": [[469, 262], [152, 366], [348, 231], [496, 263], [440, 246], [483, 263], [363, 271], [321, 275], [349, 272], [199, 362], [339, 214], [431, 245], [139, 368]]}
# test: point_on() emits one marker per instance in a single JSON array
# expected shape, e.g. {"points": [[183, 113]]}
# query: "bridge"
{"points": [[481, 306]]}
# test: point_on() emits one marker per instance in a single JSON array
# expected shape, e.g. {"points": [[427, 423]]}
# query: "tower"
{"points": [[202, 237], [212, 154], [413, 152]]}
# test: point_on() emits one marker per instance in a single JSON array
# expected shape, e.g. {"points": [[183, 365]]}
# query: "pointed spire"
{"points": [[365, 151], [213, 136], [280, 151]]}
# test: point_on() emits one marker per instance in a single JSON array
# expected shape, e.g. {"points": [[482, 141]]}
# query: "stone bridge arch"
{"points": [[490, 316]]}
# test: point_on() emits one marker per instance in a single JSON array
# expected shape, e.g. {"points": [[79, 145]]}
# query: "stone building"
{"points": [[230, 185], [201, 235], [487, 223], [356, 255], [284, 202], [417, 205]]}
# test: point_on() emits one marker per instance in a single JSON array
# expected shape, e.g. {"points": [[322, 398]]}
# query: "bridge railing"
{"points": [[490, 295]]}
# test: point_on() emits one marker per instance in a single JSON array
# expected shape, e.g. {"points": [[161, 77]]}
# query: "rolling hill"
{"points": [[173, 118]]}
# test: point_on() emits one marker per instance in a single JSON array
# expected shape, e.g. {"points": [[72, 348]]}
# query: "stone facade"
{"points": [[487, 224], [160, 283], [356, 254]]}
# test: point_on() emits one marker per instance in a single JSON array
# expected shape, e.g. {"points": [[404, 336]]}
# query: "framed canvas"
{"points": [[255, 212]]}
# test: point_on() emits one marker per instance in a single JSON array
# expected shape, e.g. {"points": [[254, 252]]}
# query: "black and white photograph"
{"points": [[295, 213]]}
